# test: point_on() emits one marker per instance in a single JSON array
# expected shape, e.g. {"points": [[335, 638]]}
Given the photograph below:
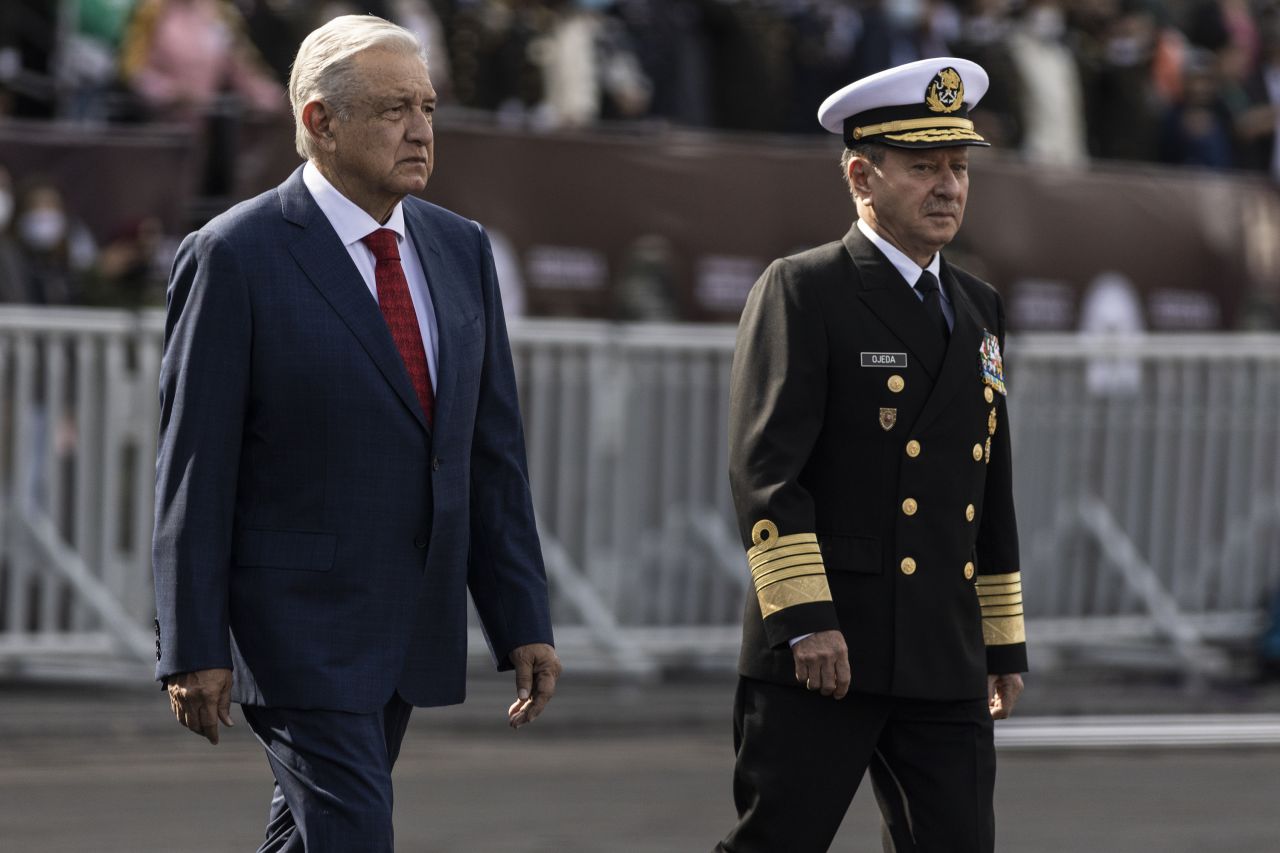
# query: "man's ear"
{"points": [[318, 119], [860, 178]]}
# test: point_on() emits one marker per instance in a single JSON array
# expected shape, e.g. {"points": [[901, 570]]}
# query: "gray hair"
{"points": [[873, 151], [323, 69]]}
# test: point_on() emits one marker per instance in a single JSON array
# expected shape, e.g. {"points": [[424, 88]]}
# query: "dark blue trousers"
{"points": [[333, 777]]}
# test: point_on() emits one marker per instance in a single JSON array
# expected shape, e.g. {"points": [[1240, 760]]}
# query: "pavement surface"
{"points": [[616, 767]]}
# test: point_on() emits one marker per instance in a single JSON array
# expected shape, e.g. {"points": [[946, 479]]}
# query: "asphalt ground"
{"points": [[613, 767]]}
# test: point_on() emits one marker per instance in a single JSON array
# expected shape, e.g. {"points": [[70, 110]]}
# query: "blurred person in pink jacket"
{"points": [[180, 56]]}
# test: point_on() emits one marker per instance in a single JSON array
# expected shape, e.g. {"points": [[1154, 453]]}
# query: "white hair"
{"points": [[323, 68], [872, 151]]}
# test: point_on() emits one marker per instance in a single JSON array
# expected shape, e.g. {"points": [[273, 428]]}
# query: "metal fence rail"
{"points": [[1148, 481]]}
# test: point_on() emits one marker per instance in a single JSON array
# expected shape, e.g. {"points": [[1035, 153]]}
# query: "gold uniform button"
{"points": [[908, 566], [968, 512], [977, 453], [909, 506], [968, 571], [913, 448], [896, 383], [988, 394]]}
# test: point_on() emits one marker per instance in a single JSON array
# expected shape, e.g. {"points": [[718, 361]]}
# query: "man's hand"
{"points": [[537, 669], [1002, 694], [200, 699], [822, 663]]}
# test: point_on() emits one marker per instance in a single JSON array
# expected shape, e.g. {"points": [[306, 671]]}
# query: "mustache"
{"points": [[950, 209]]}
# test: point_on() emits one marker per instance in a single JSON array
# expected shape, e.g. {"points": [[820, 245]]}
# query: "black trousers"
{"points": [[802, 755], [333, 777]]}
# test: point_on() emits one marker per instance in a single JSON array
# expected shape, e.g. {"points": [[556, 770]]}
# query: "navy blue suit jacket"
{"points": [[312, 532]]}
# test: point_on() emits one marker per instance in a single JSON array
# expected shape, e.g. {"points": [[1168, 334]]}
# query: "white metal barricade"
{"points": [[1147, 475]]}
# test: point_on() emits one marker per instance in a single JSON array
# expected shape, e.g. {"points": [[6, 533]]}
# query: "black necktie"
{"points": [[927, 286]]}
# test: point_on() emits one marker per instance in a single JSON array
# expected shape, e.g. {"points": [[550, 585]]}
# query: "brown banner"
{"points": [[108, 176], [613, 226], [678, 225]]}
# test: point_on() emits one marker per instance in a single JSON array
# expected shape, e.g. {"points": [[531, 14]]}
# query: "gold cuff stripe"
{"points": [[999, 589], [787, 571], [779, 542], [785, 551], [1007, 610], [1004, 631], [1012, 577], [787, 574], [997, 600], [912, 124], [793, 591], [787, 565]]}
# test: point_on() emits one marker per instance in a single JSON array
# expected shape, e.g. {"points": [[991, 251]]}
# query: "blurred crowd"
{"points": [[1191, 82], [1177, 81]]}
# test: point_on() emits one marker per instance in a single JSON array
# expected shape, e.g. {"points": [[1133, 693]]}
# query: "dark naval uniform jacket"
{"points": [[870, 469]]}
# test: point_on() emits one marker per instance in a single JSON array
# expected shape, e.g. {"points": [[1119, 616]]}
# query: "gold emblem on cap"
{"points": [[946, 91], [888, 417]]}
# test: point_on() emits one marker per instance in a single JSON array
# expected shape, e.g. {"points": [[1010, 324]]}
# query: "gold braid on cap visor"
{"points": [[927, 130]]}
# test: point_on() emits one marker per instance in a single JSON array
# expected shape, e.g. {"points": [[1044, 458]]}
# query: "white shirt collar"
{"points": [[347, 218], [908, 268]]}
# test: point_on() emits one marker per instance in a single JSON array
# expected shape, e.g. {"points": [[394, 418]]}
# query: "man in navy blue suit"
{"points": [[341, 455]]}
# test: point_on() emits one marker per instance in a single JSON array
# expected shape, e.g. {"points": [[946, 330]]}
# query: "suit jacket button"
{"points": [[913, 448], [908, 566], [435, 463], [969, 512], [988, 394], [977, 453], [420, 541], [968, 571]]}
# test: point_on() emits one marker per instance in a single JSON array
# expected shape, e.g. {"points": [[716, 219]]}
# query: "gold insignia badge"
{"points": [[888, 417], [991, 422], [986, 452], [946, 91]]}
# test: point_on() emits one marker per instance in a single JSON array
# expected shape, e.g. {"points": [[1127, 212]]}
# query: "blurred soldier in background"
{"points": [[870, 466], [341, 455]]}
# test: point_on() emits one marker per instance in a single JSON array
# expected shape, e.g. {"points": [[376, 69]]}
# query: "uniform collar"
{"points": [[907, 268]]}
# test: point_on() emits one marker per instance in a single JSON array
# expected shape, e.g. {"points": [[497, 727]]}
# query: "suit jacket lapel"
{"points": [[448, 311], [326, 263], [892, 300], [961, 361]]}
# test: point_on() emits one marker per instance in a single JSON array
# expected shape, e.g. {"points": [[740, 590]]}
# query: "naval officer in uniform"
{"points": [[870, 467]]}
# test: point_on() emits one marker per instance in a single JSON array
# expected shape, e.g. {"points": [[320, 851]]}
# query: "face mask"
{"points": [[42, 229], [6, 209]]}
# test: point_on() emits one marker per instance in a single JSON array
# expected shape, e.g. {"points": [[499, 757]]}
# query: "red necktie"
{"points": [[397, 309]]}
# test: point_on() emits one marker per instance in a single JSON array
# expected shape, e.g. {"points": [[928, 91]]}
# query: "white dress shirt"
{"points": [[910, 270], [352, 225]]}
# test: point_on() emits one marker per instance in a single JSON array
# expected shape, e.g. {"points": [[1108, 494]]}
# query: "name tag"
{"points": [[884, 359]]}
